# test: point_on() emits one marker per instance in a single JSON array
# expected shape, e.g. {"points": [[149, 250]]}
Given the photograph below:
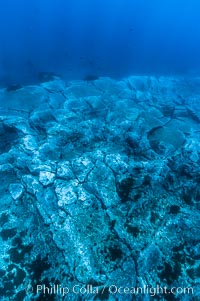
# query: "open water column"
{"points": [[99, 150]]}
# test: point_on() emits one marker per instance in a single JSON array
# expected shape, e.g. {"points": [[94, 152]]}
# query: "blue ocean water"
{"points": [[99, 165], [76, 38]]}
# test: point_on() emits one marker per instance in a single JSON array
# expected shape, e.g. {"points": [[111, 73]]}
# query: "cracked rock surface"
{"points": [[100, 187]]}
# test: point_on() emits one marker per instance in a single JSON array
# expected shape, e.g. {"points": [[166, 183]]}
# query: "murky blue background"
{"points": [[116, 38]]}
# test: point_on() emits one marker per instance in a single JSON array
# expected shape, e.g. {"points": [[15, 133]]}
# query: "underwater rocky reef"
{"points": [[100, 189]]}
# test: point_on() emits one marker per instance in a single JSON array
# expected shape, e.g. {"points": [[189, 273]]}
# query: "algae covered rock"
{"points": [[99, 188]]}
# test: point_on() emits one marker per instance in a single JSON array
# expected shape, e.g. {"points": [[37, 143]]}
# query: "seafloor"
{"points": [[100, 187]]}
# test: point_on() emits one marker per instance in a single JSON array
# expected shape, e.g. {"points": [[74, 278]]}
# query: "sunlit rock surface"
{"points": [[100, 187]]}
